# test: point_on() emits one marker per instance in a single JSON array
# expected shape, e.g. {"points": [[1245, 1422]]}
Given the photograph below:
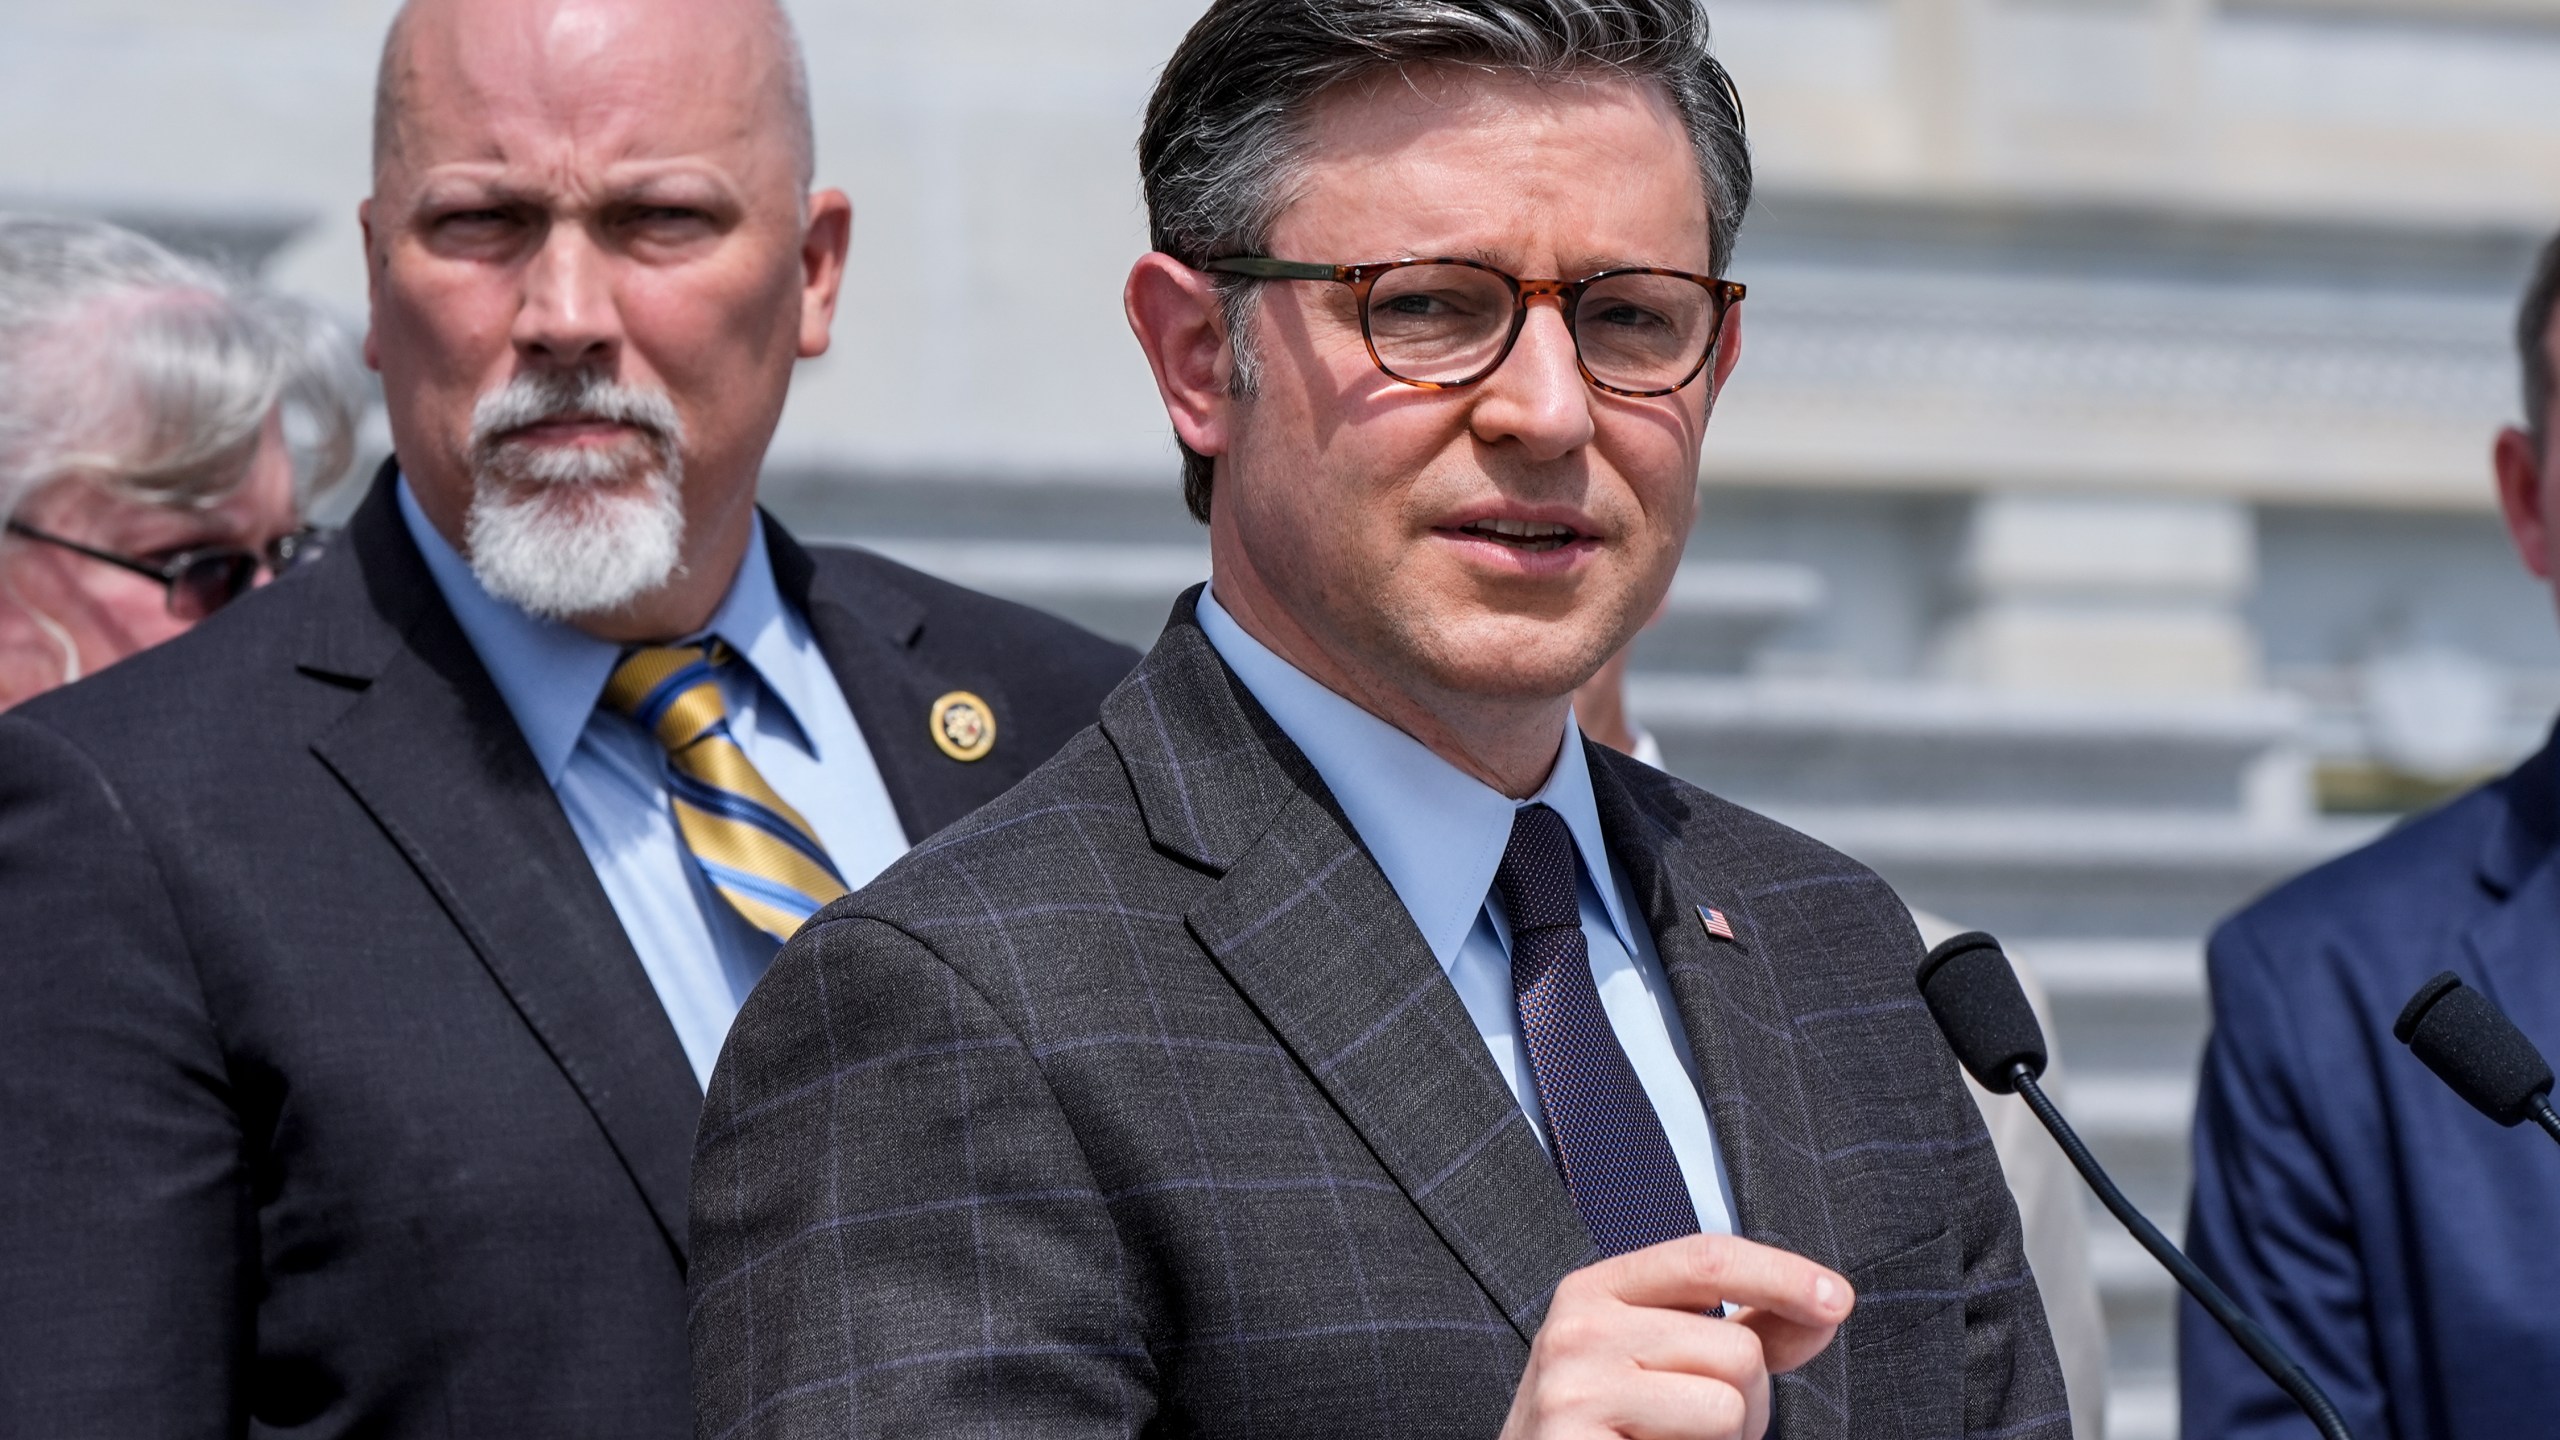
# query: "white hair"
{"points": [[573, 531], [151, 375]]}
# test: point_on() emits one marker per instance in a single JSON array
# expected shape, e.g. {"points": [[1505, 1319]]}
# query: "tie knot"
{"points": [[671, 690], [1536, 877]]}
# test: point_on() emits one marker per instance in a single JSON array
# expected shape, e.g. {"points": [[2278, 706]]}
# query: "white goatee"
{"points": [[567, 532]]}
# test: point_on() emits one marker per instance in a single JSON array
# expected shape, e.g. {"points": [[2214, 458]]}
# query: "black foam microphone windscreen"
{"points": [[2473, 1047], [1975, 998]]}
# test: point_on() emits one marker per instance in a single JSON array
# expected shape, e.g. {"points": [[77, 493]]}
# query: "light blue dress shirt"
{"points": [[788, 715], [1439, 833]]}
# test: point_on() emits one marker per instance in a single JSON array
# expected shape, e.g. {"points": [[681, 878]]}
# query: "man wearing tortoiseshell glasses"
{"points": [[1334, 1042]]}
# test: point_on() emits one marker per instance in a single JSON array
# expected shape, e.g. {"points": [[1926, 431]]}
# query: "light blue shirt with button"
{"points": [[788, 715], [1438, 833]]}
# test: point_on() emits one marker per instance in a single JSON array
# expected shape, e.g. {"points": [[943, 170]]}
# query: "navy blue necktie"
{"points": [[1607, 1142]]}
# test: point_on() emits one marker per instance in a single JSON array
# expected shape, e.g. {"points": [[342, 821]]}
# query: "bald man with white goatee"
{"points": [[368, 949]]}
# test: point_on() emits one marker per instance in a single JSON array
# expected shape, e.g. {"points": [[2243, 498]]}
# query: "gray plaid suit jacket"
{"points": [[1136, 1104]]}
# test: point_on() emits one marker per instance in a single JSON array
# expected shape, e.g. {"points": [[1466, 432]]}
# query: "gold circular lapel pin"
{"points": [[963, 725]]}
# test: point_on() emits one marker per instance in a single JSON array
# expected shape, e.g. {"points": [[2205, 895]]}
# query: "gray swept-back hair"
{"points": [[154, 375], [1224, 130], [2533, 344]]}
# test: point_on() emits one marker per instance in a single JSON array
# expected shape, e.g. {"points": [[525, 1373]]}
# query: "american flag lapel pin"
{"points": [[1717, 925]]}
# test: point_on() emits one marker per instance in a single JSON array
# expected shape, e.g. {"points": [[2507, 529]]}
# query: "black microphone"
{"points": [[2472, 1046], [1988, 1023]]}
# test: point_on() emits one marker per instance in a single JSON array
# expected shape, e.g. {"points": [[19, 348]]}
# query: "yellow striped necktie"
{"points": [[756, 850]]}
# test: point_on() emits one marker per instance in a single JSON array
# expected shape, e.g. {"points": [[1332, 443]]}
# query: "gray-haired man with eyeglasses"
{"points": [[1333, 1042]]}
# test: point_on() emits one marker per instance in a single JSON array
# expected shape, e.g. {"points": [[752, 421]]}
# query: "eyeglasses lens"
{"points": [[1446, 324], [210, 582], [1439, 324], [1644, 332]]}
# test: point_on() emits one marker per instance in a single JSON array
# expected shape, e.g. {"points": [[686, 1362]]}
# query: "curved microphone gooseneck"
{"points": [[1975, 998]]}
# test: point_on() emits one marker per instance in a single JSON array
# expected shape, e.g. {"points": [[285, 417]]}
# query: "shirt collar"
{"points": [[1436, 831], [551, 674]]}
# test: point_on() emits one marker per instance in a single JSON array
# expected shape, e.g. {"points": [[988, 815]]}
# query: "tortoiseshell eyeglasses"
{"points": [[1443, 323]]}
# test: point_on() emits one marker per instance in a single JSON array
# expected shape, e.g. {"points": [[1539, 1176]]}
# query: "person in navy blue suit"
{"points": [[2404, 1248]]}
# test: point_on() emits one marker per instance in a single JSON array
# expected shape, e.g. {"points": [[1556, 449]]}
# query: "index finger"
{"points": [[1698, 1272]]}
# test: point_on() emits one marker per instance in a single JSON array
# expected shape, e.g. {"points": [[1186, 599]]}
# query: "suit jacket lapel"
{"points": [[431, 751], [867, 632], [1732, 1002], [1307, 928], [2528, 825], [2507, 950], [874, 636]]}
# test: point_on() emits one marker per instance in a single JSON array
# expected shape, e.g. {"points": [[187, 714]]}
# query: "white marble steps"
{"points": [[2129, 1020], [1913, 744], [2053, 870]]}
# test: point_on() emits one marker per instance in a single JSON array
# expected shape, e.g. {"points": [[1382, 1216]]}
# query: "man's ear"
{"points": [[1728, 348], [824, 244], [372, 285], [2524, 500], [1175, 313]]}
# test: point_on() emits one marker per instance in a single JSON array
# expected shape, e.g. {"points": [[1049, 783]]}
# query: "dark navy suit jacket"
{"points": [[333, 1099], [2404, 1247]]}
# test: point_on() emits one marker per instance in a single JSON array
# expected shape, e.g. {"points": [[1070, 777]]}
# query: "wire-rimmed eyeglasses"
{"points": [[201, 580], [1443, 322]]}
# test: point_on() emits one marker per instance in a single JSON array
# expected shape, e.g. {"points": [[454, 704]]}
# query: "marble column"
{"points": [[2106, 593]]}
